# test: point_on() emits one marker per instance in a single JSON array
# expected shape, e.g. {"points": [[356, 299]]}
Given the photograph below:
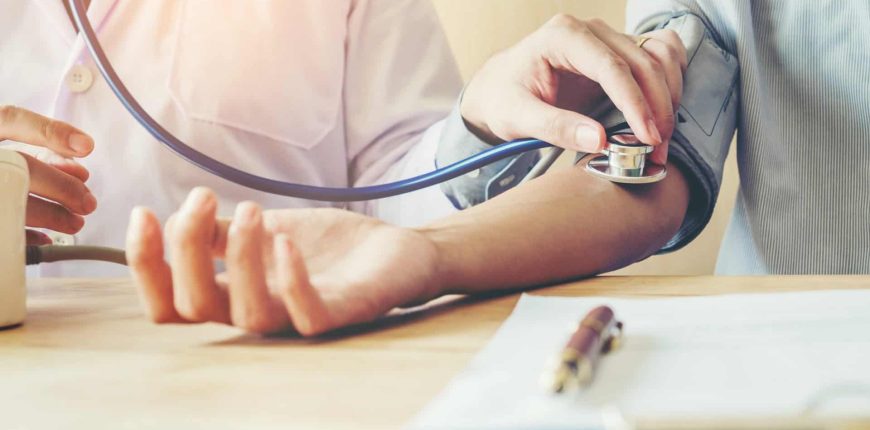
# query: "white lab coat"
{"points": [[325, 92]]}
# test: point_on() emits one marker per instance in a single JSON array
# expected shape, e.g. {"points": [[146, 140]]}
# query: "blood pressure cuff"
{"points": [[706, 121]]}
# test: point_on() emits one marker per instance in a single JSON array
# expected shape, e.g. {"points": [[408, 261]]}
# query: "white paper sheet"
{"points": [[731, 356]]}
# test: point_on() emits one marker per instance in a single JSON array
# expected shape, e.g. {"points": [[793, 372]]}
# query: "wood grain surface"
{"points": [[87, 358]]}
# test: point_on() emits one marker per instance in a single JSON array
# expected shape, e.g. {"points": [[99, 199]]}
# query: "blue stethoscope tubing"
{"points": [[272, 186]]}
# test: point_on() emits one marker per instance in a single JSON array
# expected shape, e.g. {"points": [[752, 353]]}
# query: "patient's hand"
{"points": [[537, 87], [309, 269]]}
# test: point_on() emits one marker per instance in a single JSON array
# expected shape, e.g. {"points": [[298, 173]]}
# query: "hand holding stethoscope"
{"points": [[536, 88]]}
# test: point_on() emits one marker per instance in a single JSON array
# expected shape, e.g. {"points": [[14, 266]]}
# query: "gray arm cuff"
{"points": [[703, 191], [706, 121]]}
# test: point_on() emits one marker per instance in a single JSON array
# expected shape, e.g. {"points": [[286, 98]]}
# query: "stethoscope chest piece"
{"points": [[624, 161]]}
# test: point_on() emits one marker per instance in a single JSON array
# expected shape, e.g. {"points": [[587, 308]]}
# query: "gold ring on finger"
{"points": [[642, 40]]}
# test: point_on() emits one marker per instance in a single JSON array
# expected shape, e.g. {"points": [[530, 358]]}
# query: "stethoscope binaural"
{"points": [[624, 159]]}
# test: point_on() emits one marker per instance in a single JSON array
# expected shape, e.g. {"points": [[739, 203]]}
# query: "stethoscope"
{"points": [[623, 159]]}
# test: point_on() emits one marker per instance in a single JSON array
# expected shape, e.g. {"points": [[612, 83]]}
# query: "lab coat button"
{"points": [[79, 79]]}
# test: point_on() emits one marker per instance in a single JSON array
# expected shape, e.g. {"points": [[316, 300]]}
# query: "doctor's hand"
{"points": [[309, 270], [59, 198], [543, 86]]}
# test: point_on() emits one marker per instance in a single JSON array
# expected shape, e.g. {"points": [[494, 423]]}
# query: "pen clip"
{"points": [[614, 339]]}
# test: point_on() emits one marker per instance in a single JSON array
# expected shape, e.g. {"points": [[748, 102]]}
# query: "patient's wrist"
{"points": [[450, 273]]}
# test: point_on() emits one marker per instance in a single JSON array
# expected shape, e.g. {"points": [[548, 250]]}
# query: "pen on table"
{"points": [[598, 333]]}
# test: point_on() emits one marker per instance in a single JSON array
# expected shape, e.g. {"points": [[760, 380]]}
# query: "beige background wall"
{"points": [[478, 28]]}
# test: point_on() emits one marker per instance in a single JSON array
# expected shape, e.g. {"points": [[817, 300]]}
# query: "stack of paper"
{"points": [[736, 356]]}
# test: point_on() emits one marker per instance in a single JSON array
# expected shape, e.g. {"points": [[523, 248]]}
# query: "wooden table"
{"points": [[87, 358]]}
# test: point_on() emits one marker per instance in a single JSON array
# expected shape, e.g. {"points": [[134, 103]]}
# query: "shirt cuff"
{"points": [[458, 143]]}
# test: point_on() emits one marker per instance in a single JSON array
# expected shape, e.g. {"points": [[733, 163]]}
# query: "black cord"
{"points": [[53, 253]]}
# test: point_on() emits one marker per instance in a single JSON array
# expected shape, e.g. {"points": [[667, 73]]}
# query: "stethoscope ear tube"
{"points": [[272, 186], [310, 192]]}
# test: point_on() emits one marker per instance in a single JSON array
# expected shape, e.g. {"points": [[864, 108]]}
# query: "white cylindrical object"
{"points": [[14, 185]]}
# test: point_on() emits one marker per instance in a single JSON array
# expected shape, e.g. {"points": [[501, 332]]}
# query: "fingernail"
{"points": [[654, 132], [37, 238], [137, 215], [660, 155], [138, 223], [198, 199], [246, 213], [89, 203], [81, 144], [77, 222], [588, 139]]}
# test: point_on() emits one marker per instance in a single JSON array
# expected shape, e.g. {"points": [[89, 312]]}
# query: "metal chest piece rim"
{"points": [[624, 161]]}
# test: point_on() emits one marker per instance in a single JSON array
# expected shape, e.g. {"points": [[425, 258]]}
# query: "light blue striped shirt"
{"points": [[802, 114], [803, 140]]}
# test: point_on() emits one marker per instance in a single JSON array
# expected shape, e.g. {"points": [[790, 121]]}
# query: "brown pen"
{"points": [[597, 334]]}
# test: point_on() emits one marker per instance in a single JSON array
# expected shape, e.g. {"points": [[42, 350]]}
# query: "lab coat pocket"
{"points": [[270, 67]]}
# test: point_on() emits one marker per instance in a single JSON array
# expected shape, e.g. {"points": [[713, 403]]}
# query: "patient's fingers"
{"points": [[219, 239], [197, 297], [309, 314], [150, 272], [251, 306]]}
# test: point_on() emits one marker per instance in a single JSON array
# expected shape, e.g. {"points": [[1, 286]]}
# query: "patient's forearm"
{"points": [[566, 224]]}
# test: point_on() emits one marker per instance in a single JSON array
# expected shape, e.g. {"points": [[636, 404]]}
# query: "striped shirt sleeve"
{"points": [[707, 116]]}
